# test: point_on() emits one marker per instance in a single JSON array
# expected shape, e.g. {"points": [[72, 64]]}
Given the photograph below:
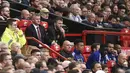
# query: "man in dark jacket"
{"points": [[66, 49]]}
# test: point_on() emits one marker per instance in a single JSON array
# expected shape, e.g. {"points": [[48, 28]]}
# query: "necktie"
{"points": [[39, 33]]}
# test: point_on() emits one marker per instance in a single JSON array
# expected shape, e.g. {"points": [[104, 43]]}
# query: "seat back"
{"points": [[56, 48], [125, 39], [110, 64], [23, 24], [45, 24], [86, 52]]}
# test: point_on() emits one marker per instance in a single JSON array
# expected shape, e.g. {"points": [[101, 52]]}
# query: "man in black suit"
{"points": [[36, 30]]}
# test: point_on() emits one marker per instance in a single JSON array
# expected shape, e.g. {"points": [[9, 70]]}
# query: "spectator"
{"points": [[78, 47], [91, 20], [5, 4], [56, 33], [17, 60], [5, 59], [95, 55], [66, 50], [41, 65], [15, 49], [4, 13], [105, 68], [19, 71], [32, 59], [13, 34], [7, 69], [36, 53], [87, 71], [45, 54], [119, 70], [120, 63], [65, 65], [95, 67], [75, 13], [35, 3], [60, 68], [4, 47], [25, 14], [25, 66], [37, 31]]}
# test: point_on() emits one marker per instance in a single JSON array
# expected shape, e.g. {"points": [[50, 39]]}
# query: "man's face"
{"points": [[8, 60], [67, 46], [36, 3], [122, 59], [36, 20], [80, 46], [13, 26], [59, 23], [110, 48], [97, 67], [6, 12], [37, 55]]}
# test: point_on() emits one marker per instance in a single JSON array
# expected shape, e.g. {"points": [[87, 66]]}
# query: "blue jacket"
{"points": [[94, 57], [77, 56]]}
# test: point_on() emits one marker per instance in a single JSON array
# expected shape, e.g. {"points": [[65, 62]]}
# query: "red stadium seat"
{"points": [[23, 24], [125, 39], [110, 64], [86, 52], [45, 24], [55, 47]]}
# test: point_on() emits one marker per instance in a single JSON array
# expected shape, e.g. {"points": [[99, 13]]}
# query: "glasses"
{"points": [[110, 47]]}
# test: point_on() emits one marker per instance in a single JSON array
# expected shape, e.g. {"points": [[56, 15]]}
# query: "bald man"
{"points": [[66, 49], [120, 63], [25, 14]]}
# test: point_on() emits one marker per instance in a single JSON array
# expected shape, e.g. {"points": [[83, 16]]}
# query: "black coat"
{"points": [[31, 32]]}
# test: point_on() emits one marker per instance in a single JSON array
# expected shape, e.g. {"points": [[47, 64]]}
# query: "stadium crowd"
{"points": [[17, 57]]}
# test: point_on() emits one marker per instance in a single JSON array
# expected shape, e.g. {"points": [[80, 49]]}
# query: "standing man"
{"points": [[37, 31]]}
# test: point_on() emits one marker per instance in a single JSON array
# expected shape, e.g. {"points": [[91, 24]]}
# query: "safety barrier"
{"points": [[45, 46]]}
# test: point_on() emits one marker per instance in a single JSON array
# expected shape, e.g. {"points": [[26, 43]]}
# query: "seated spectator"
{"points": [[44, 12], [17, 60], [120, 63], [5, 4], [4, 13], [75, 13], [45, 54], [95, 67], [60, 68], [105, 68], [41, 65], [35, 3], [4, 47], [87, 71], [36, 53], [78, 47], [91, 20], [19, 71], [25, 66], [25, 15], [66, 50], [65, 65], [15, 49], [32, 59], [13, 34], [8, 69], [37, 31], [5, 59], [56, 33]]}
